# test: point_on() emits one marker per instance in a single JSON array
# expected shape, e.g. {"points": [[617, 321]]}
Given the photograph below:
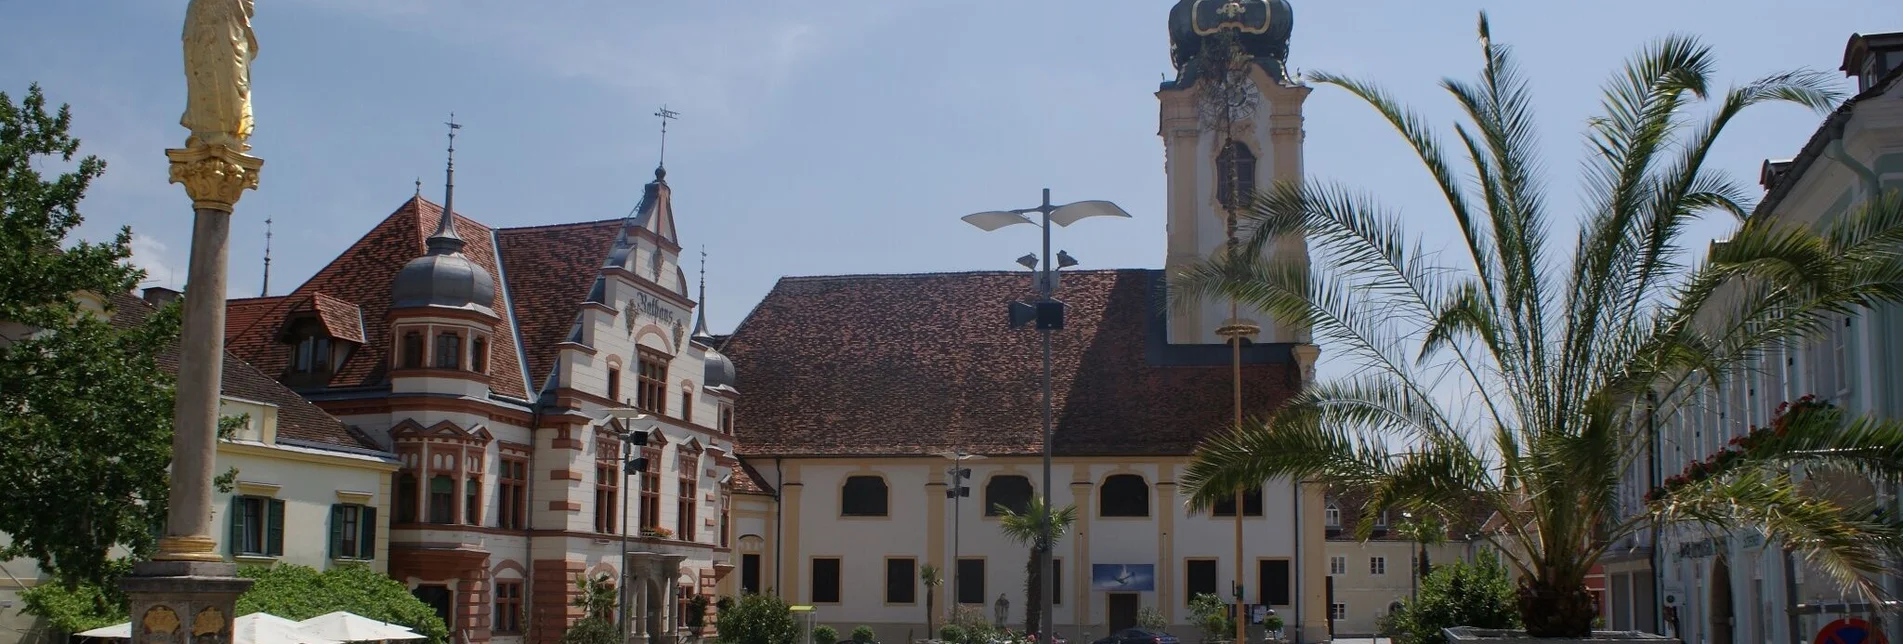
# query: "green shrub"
{"points": [[1478, 594], [81, 607], [951, 633], [758, 619], [592, 630], [863, 635], [1150, 618], [696, 612], [300, 592], [823, 634]]}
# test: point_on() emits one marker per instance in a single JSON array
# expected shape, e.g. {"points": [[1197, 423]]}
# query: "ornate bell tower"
{"points": [[1231, 123]]}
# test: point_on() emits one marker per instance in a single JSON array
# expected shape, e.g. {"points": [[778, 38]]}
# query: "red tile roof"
{"points": [[918, 364], [550, 270], [342, 320], [297, 417]]}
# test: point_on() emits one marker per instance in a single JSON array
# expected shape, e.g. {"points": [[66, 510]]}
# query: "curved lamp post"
{"points": [[1049, 315]]}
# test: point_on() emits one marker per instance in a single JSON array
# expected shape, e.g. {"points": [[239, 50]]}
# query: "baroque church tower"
{"points": [[1231, 123]]}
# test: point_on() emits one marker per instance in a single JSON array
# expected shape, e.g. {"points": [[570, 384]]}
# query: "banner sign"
{"points": [[1123, 577]]}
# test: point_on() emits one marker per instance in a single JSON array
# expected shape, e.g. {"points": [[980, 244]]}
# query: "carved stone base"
{"points": [[192, 548], [183, 602]]}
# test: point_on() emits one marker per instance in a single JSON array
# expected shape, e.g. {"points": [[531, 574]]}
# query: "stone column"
{"points": [[188, 593]]}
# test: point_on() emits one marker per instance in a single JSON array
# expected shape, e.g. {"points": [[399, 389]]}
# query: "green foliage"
{"points": [[1479, 594], [1272, 622], [1027, 528], [1570, 317], [1209, 614], [758, 619], [929, 577], [862, 634], [976, 627], [696, 612], [300, 592], [951, 633], [592, 630], [80, 606], [83, 405], [823, 634], [1151, 618], [596, 596]]}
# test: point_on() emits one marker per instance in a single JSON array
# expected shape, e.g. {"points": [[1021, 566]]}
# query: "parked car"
{"points": [[1139, 636]]}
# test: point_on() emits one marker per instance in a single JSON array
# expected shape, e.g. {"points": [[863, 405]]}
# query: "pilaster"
{"points": [[1165, 525], [790, 492], [1080, 550]]}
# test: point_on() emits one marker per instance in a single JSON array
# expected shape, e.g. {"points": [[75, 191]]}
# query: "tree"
{"points": [[758, 619], [596, 596], [1026, 528], [1211, 616], [84, 405], [1568, 350], [929, 576], [1478, 594], [301, 592]]}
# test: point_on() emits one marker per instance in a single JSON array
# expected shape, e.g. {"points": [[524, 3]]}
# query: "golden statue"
{"points": [[219, 48]]}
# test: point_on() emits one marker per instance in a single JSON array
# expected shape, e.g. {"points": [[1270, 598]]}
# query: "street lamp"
{"points": [[1049, 314], [631, 463], [957, 492]]}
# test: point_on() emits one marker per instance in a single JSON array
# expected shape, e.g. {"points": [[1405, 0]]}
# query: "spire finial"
{"points": [[700, 306], [665, 115], [445, 241], [419, 187], [265, 291]]}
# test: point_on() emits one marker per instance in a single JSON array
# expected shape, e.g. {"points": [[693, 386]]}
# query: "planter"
{"points": [[1471, 635]]}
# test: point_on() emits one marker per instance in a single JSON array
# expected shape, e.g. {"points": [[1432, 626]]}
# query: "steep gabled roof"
{"points": [[548, 270], [297, 418], [924, 363]]}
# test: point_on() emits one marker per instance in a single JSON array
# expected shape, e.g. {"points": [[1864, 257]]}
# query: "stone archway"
{"points": [[1722, 617]]}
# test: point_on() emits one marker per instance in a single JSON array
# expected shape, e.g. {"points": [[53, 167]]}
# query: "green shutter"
{"points": [[275, 521], [367, 545], [337, 531], [236, 543]]}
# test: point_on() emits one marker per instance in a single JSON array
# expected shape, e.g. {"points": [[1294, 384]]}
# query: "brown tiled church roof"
{"points": [[542, 277], [924, 363], [297, 417]]}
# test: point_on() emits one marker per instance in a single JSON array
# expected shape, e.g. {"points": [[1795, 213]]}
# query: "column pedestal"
{"points": [[183, 602]]}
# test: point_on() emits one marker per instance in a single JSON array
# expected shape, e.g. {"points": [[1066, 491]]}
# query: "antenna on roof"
{"points": [[700, 307], [445, 241], [265, 291], [666, 115]]}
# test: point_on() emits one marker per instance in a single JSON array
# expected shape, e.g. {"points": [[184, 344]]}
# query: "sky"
{"points": [[815, 138]]}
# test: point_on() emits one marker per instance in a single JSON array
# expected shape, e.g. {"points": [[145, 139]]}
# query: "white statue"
{"points": [[219, 48]]}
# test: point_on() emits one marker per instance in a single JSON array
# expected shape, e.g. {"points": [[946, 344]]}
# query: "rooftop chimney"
{"points": [[160, 296]]}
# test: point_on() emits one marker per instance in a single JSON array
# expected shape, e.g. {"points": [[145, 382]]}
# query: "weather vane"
{"points": [[666, 115]]}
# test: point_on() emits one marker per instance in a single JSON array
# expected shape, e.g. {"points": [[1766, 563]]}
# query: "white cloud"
{"points": [[161, 269]]}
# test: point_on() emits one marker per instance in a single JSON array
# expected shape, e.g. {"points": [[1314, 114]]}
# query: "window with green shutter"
{"points": [[257, 527], [353, 531]]}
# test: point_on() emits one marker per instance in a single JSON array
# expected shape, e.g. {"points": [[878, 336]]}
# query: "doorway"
{"points": [[1123, 610], [438, 599], [1722, 618]]}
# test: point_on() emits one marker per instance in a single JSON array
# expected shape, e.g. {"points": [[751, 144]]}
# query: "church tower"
{"points": [[1231, 123]]}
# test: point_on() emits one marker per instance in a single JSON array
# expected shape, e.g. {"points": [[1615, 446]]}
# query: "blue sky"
{"points": [[844, 136]]}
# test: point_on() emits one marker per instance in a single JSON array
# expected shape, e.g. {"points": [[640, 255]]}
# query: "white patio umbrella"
{"points": [[116, 631], [265, 628], [345, 626]]}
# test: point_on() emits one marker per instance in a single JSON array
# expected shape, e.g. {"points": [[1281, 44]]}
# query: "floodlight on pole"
{"points": [[630, 440], [1049, 314]]}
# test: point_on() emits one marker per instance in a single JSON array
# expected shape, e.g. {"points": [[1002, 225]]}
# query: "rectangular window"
{"points": [[1337, 611], [508, 607], [1377, 565], [726, 419], [687, 407], [472, 501], [825, 580], [901, 581], [970, 581], [687, 466], [515, 494], [353, 532], [1338, 565], [750, 573], [442, 500], [449, 351], [607, 478], [1272, 581], [1251, 504], [651, 488], [651, 388], [257, 526], [1057, 582], [614, 384], [1200, 579]]}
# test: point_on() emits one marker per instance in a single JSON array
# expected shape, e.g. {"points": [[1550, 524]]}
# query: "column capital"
{"points": [[215, 176]]}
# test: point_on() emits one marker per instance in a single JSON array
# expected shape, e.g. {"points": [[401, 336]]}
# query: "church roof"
{"points": [[542, 274], [298, 419], [923, 363]]}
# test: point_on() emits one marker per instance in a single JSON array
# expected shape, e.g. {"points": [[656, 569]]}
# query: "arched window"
{"points": [[406, 498], [614, 383], [442, 500], [479, 355], [1331, 516], [1235, 175], [449, 350], [1007, 491], [1124, 495], [472, 501], [862, 496], [413, 350]]}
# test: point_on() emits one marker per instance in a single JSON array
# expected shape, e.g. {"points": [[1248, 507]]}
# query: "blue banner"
{"points": [[1123, 577]]}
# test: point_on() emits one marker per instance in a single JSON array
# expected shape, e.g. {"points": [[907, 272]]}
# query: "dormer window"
{"points": [[449, 350], [312, 355], [1235, 175], [413, 350]]}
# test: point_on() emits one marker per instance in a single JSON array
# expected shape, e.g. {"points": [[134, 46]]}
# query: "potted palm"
{"points": [[1565, 344], [1026, 529]]}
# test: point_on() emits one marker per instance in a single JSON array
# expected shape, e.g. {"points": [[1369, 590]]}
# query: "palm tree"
{"points": [[928, 575], [1026, 528], [1565, 353]]}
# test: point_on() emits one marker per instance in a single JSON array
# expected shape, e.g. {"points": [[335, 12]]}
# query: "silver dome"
{"points": [[446, 280], [719, 372]]}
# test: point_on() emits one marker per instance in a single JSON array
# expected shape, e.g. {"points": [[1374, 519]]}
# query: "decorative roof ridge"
{"points": [[560, 226]]}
